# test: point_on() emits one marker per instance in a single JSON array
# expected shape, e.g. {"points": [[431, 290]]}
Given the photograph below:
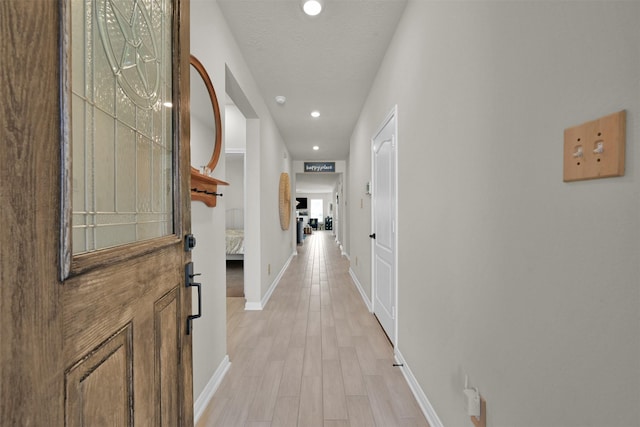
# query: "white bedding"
{"points": [[235, 241]]}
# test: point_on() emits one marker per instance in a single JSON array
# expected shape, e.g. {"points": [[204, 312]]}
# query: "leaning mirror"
{"points": [[206, 126]]}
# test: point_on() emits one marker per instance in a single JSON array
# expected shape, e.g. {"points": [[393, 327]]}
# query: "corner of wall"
{"points": [[426, 407], [214, 382]]}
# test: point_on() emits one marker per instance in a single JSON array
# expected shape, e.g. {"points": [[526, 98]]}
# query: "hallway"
{"points": [[314, 356]]}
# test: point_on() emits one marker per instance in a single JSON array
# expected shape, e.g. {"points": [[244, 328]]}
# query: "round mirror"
{"points": [[206, 126]]}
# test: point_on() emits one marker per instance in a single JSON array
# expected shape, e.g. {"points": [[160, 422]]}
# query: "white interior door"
{"points": [[384, 227]]}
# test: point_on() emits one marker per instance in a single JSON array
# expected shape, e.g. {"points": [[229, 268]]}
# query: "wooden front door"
{"points": [[108, 344]]}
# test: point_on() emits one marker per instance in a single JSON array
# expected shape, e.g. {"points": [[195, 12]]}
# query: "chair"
{"points": [[313, 223]]}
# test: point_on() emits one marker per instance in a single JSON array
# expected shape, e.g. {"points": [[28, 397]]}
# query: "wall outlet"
{"points": [[473, 402], [269, 269], [356, 261]]}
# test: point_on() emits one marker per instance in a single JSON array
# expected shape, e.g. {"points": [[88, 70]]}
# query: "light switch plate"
{"points": [[595, 149]]}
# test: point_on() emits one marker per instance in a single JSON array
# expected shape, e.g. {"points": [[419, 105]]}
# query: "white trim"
{"points": [[344, 254], [362, 294], [235, 150], [209, 390], [257, 306], [418, 393], [252, 306]]}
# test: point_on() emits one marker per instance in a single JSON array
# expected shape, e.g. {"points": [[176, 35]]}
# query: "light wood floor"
{"points": [[314, 356]]}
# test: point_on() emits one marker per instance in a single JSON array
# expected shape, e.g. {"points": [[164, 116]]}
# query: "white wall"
{"points": [[234, 193], [527, 284], [358, 203], [235, 127], [213, 44], [235, 140], [276, 245], [341, 217]]}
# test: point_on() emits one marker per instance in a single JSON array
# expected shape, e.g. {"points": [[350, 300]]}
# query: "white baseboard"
{"points": [[209, 390], [344, 254], [364, 296], [253, 306], [425, 405], [257, 306]]}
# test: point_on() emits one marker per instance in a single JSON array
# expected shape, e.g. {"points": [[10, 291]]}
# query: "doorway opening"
{"points": [[317, 196], [234, 223], [235, 150]]}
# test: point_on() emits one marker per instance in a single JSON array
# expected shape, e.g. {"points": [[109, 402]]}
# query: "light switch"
{"points": [[595, 149]]}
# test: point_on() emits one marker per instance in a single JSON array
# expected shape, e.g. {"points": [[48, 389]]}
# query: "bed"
{"points": [[235, 234]]}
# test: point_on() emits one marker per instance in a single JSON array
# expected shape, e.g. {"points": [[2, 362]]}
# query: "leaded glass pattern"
{"points": [[122, 145]]}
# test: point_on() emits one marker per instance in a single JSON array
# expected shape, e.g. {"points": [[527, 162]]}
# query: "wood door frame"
{"points": [[393, 114], [30, 319], [182, 44]]}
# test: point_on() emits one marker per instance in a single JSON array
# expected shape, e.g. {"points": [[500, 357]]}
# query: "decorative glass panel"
{"points": [[121, 133]]}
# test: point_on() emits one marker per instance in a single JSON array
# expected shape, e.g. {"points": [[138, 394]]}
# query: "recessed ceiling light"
{"points": [[312, 7], [315, 114], [281, 99], [316, 148]]}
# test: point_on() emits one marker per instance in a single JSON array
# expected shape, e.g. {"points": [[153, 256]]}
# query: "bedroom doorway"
{"points": [[235, 154], [234, 224]]}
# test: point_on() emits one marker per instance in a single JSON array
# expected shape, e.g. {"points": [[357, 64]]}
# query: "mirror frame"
{"points": [[217, 148]]}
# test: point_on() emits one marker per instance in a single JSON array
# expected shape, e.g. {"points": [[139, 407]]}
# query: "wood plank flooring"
{"points": [[314, 356]]}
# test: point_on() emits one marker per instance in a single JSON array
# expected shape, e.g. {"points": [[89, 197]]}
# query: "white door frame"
{"points": [[391, 115]]}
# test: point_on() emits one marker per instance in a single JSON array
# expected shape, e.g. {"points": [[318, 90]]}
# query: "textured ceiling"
{"points": [[325, 63]]}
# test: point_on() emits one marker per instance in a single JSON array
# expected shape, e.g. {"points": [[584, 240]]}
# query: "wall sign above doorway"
{"points": [[319, 166]]}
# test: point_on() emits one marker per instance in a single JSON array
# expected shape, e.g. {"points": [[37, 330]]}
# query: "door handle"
{"points": [[373, 236], [188, 281], [195, 316]]}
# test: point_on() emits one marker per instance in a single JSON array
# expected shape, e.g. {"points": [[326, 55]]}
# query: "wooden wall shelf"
{"points": [[204, 188]]}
